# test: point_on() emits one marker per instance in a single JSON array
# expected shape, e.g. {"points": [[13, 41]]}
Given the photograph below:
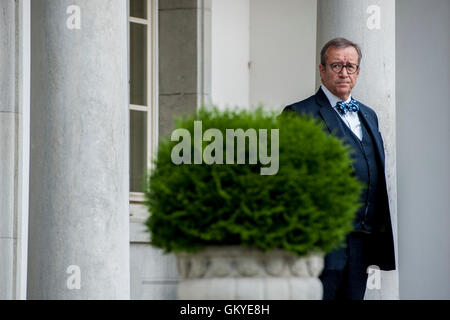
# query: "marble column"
{"points": [[9, 118], [79, 187], [371, 24], [184, 58]]}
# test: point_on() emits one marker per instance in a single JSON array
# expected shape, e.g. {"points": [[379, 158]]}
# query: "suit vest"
{"points": [[367, 170]]}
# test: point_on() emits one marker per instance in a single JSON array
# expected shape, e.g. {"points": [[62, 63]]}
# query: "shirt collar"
{"points": [[332, 98]]}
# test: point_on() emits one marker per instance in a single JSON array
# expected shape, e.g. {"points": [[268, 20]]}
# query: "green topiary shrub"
{"points": [[309, 205]]}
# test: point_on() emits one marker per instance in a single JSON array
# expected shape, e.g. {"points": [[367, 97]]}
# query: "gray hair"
{"points": [[339, 43]]}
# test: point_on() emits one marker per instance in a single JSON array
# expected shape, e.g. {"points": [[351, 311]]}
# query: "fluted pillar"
{"points": [[371, 24], [9, 118], [79, 218]]}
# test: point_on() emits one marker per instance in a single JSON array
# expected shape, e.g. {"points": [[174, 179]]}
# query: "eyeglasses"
{"points": [[338, 66]]}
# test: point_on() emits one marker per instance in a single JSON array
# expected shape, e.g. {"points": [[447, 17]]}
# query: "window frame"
{"points": [[152, 107]]}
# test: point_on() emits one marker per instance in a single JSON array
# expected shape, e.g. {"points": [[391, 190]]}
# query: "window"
{"points": [[143, 102]]}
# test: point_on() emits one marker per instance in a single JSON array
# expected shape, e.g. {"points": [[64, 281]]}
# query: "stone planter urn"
{"points": [[241, 273]]}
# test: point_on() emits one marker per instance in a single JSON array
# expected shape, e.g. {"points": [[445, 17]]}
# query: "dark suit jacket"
{"points": [[382, 247]]}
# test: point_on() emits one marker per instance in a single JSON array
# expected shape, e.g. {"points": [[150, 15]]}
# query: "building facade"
{"points": [[88, 87]]}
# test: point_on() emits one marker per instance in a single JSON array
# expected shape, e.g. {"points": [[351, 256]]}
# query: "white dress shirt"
{"points": [[351, 119]]}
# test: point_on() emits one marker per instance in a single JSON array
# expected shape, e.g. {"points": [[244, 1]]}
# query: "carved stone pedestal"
{"points": [[239, 273]]}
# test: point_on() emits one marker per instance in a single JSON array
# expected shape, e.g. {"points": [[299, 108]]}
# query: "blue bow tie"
{"points": [[343, 107]]}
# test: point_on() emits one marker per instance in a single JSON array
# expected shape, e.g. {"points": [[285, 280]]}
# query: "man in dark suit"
{"points": [[371, 242]]}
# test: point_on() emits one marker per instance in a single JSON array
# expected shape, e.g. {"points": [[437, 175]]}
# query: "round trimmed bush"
{"points": [[308, 206]]}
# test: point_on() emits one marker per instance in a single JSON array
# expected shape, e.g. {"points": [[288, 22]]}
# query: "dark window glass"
{"points": [[138, 9], [138, 64], [138, 149]]}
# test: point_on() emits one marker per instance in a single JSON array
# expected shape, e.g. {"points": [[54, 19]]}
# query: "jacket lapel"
{"points": [[330, 117], [371, 127], [333, 123]]}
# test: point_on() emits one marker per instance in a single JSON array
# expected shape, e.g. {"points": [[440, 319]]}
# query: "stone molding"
{"points": [[219, 262]]}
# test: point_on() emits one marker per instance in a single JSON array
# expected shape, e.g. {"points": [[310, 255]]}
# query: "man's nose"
{"points": [[344, 72]]}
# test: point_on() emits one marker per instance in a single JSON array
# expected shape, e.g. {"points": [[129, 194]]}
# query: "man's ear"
{"points": [[321, 68]]}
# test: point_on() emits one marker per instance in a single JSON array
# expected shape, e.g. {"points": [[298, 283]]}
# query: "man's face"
{"points": [[342, 83]]}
